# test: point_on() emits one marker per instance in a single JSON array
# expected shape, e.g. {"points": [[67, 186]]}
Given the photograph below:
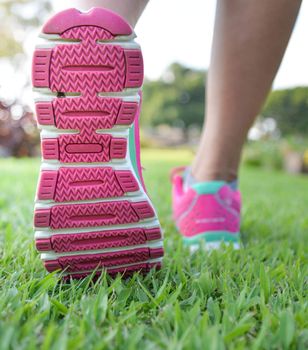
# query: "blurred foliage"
{"points": [[289, 108], [294, 143], [18, 132], [177, 99], [290, 153], [17, 17], [267, 154]]}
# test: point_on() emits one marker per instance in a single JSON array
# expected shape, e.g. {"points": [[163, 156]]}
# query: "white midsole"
{"points": [[46, 95], [49, 41], [49, 165], [57, 39], [52, 255], [41, 233], [48, 203], [39, 204], [55, 133], [54, 164], [210, 246]]}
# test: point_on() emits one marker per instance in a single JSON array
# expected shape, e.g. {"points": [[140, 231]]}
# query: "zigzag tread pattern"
{"points": [[89, 33], [84, 80], [93, 261], [98, 240], [91, 215], [67, 111], [86, 183], [61, 243]]}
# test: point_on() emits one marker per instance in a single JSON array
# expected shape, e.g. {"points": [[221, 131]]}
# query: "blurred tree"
{"points": [[17, 17], [290, 110], [176, 99], [18, 134]]}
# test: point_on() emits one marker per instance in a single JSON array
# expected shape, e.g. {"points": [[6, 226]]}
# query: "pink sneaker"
{"points": [[92, 211], [208, 211]]}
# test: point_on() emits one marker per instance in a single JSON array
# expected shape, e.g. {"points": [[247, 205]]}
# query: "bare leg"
{"points": [[131, 10], [250, 38]]}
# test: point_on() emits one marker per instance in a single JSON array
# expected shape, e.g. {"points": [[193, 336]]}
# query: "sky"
{"points": [[172, 30]]}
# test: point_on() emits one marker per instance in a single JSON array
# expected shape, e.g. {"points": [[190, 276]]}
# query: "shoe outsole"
{"points": [[91, 212]]}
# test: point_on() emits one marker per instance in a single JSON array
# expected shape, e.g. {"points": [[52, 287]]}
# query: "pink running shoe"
{"points": [[92, 211], [208, 211]]}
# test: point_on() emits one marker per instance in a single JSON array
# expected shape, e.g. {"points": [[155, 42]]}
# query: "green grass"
{"points": [[254, 298]]}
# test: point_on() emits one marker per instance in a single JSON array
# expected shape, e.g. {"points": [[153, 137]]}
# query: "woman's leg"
{"points": [[131, 10], [250, 38]]}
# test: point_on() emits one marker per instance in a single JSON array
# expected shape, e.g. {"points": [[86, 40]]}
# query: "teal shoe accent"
{"points": [[132, 150], [213, 236], [208, 187]]}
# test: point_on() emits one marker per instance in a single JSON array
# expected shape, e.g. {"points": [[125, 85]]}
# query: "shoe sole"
{"points": [[91, 210], [213, 240]]}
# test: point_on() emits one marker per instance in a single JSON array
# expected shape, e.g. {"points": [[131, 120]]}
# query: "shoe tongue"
{"points": [[208, 187]]}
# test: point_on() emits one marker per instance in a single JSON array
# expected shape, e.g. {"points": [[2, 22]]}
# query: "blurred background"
{"points": [[173, 104]]}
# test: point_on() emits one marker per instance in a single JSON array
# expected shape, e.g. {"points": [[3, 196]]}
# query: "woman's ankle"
{"points": [[207, 173]]}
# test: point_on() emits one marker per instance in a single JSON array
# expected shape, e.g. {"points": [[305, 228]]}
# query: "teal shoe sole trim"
{"points": [[132, 150], [208, 187], [214, 236]]}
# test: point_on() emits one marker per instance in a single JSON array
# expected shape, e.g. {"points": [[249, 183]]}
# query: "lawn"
{"points": [[252, 298]]}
